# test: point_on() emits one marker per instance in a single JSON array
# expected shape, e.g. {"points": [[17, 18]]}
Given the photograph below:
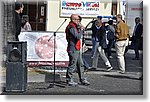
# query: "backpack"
{"points": [[110, 35]]}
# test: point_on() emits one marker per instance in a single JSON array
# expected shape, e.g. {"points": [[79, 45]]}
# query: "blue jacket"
{"points": [[101, 35]]}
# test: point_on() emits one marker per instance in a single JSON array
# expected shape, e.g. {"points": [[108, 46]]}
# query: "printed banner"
{"points": [[40, 47], [85, 8]]}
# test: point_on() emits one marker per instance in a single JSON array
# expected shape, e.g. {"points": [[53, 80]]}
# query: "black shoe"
{"points": [[86, 69], [85, 82], [72, 83], [92, 68]]}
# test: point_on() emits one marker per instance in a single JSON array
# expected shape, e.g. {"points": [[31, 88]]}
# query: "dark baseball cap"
{"points": [[99, 17]]}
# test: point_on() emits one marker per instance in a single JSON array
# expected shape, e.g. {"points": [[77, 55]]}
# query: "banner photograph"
{"points": [[40, 49], [85, 8]]}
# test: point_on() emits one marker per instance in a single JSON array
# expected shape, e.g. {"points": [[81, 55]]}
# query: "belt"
{"points": [[121, 39]]}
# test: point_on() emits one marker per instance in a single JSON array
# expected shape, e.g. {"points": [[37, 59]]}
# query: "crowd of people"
{"points": [[103, 39]]}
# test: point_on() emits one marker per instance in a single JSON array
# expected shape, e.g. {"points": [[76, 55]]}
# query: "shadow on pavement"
{"points": [[123, 76]]}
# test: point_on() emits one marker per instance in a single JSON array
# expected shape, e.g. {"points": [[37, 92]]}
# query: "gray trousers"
{"points": [[74, 63], [100, 51]]}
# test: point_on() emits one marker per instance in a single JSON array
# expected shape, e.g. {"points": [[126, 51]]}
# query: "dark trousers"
{"points": [[109, 46], [74, 62], [136, 44], [16, 38]]}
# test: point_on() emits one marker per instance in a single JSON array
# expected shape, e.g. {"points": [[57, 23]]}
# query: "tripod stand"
{"points": [[54, 81]]}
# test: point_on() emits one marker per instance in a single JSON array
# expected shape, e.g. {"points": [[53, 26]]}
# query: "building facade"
{"points": [[47, 15]]}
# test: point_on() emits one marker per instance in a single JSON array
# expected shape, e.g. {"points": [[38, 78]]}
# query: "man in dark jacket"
{"points": [[137, 36], [17, 19], [100, 39], [73, 36], [94, 31], [110, 37]]}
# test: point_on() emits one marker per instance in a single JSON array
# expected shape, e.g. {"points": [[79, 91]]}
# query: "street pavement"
{"points": [[40, 81]]}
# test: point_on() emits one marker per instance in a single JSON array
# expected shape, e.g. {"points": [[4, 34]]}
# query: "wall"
{"points": [[54, 21]]}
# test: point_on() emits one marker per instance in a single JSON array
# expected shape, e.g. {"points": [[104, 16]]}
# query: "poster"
{"points": [[40, 47], [85, 8]]}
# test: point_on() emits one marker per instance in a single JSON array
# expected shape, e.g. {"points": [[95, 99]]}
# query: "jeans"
{"points": [[93, 46], [74, 62], [85, 64], [120, 49]]}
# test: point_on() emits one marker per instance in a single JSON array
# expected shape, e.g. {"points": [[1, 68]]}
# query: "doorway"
{"points": [[37, 14]]}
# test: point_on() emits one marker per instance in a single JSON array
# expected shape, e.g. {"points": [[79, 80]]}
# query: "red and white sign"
{"points": [[40, 50]]}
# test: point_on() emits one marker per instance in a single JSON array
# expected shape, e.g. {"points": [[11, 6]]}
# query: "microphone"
{"points": [[65, 19]]}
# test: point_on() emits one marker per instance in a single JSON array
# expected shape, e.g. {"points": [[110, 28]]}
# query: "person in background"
{"points": [[137, 37], [73, 37], [122, 35], [100, 46], [110, 37], [94, 31], [25, 23], [84, 63], [17, 19]]}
